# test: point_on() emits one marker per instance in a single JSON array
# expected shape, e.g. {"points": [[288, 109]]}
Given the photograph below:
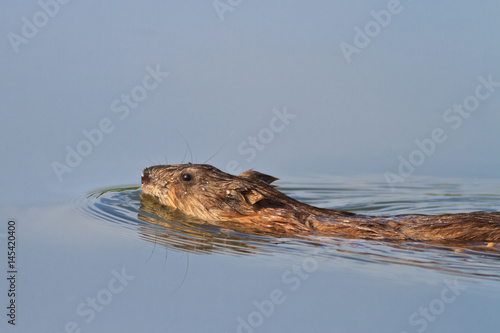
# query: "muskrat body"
{"points": [[205, 192]]}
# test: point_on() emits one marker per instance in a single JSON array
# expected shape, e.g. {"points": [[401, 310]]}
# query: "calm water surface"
{"points": [[104, 263], [122, 207], [92, 92]]}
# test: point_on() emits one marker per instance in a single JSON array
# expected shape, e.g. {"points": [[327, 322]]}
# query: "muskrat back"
{"points": [[205, 192]]}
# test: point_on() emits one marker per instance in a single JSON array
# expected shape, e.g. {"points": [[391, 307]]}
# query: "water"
{"points": [[81, 110], [122, 207], [100, 263], [191, 278]]}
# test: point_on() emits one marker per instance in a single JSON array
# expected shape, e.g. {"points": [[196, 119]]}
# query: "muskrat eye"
{"points": [[186, 177]]}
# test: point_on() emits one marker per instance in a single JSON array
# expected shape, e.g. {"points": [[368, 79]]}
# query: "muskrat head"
{"points": [[205, 192]]}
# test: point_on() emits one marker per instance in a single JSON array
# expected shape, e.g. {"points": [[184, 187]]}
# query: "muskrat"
{"points": [[207, 193]]}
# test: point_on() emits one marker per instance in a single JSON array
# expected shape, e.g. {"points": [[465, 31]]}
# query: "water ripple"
{"points": [[124, 209]]}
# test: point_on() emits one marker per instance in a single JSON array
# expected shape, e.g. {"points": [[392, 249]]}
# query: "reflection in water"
{"points": [[127, 208], [172, 229]]}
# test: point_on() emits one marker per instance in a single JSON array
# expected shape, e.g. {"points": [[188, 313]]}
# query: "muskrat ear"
{"points": [[251, 174], [251, 196]]}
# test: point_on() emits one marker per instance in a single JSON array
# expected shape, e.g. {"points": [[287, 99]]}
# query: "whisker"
{"points": [[154, 247], [218, 150], [185, 275], [188, 148]]}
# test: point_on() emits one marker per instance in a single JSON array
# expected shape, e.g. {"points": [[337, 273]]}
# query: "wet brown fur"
{"points": [[250, 199]]}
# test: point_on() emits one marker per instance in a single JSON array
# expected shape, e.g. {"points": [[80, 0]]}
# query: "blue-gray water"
{"points": [[94, 263], [91, 92], [122, 210]]}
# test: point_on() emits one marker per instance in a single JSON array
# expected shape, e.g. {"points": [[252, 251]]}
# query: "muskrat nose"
{"points": [[145, 177]]}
